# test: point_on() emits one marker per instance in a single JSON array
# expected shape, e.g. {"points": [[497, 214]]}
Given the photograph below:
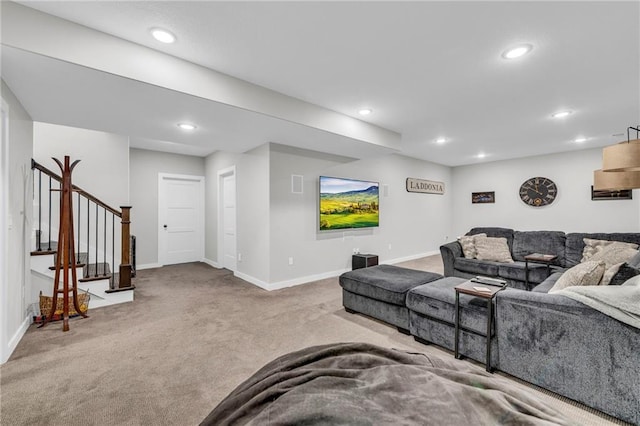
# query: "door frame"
{"points": [[5, 350], [229, 171], [162, 241]]}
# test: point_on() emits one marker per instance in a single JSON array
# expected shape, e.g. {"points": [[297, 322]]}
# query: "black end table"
{"points": [[363, 260], [483, 290], [537, 258]]}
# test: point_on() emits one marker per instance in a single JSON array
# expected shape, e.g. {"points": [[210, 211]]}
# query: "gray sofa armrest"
{"points": [[569, 348], [449, 253]]}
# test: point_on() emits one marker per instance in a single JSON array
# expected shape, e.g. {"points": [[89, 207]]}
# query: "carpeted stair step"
{"points": [[81, 260], [93, 272]]}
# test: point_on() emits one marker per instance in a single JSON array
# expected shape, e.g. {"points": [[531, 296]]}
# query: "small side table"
{"points": [[359, 261], [469, 287], [537, 258]]}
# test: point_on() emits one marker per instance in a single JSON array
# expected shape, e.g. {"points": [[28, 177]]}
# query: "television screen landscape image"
{"points": [[348, 203]]}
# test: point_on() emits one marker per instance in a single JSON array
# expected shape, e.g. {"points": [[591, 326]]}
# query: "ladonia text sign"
{"points": [[425, 186]]}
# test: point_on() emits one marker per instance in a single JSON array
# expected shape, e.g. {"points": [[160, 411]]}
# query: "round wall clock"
{"points": [[538, 191]]}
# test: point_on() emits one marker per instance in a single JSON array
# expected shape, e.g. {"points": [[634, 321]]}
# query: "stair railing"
{"points": [[96, 209]]}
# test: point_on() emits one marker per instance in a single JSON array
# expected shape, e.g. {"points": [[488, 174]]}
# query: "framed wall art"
{"points": [[483, 197]]}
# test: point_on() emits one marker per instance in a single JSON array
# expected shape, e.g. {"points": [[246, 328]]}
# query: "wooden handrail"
{"points": [[43, 169]]}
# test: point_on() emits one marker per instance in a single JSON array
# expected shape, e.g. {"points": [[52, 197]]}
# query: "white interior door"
{"points": [[181, 218], [229, 221]]}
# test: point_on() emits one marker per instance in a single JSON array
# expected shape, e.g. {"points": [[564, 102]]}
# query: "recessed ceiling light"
{"points": [[187, 126], [580, 139], [481, 155], [163, 36], [365, 111], [516, 52], [561, 114], [441, 140]]}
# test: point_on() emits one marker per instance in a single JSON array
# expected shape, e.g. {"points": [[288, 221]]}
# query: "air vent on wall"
{"points": [[296, 184]]}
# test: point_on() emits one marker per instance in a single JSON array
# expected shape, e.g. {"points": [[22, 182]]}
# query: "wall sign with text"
{"points": [[425, 186]]}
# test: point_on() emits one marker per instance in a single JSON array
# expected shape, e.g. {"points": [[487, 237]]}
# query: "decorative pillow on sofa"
{"points": [[609, 273], [592, 246], [468, 243], [625, 272], [495, 249], [585, 273], [613, 254]]}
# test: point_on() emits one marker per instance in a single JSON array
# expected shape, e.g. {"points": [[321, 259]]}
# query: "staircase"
{"points": [[101, 245]]}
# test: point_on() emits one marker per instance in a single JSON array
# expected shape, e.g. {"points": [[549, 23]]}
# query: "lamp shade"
{"points": [[612, 181], [624, 156]]}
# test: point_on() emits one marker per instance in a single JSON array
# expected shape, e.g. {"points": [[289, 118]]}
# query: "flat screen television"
{"points": [[348, 203]]}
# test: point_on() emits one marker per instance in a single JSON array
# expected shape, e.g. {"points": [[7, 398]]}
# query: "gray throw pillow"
{"points": [[468, 244], [613, 254], [585, 273], [625, 272], [494, 249], [610, 273], [591, 247]]}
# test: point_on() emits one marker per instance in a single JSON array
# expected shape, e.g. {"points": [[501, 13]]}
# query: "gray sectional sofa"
{"points": [[568, 248], [546, 339]]}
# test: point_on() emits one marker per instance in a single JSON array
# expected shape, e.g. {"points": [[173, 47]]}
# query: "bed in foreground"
{"points": [[363, 384]]}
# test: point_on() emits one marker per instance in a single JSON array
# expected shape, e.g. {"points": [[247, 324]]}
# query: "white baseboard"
{"points": [[212, 263], [13, 342], [148, 266], [248, 278], [310, 278], [412, 257]]}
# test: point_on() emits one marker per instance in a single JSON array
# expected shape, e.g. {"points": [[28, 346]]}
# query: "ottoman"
{"points": [[380, 292], [432, 310]]}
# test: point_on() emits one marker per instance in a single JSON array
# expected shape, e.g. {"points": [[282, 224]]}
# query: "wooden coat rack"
{"points": [[66, 260]]}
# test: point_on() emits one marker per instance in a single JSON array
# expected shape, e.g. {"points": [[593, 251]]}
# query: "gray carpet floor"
{"points": [[191, 336]]}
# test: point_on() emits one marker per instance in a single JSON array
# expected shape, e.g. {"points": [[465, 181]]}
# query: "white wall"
{"points": [[252, 221], [15, 284], [572, 211], [413, 224], [104, 167], [144, 168]]}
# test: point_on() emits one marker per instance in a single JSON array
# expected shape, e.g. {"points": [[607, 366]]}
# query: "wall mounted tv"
{"points": [[348, 203]]}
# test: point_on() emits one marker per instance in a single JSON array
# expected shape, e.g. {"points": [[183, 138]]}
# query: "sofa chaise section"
{"points": [[569, 348], [380, 292]]}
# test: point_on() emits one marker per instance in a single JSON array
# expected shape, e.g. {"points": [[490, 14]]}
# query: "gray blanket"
{"points": [[362, 384], [621, 302]]}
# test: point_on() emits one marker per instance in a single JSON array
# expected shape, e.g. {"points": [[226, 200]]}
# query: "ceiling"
{"points": [[427, 69]]}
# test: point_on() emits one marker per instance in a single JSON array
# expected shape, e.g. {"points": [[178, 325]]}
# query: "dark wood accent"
{"points": [[66, 251], [94, 278], [125, 265], [38, 166], [43, 252]]}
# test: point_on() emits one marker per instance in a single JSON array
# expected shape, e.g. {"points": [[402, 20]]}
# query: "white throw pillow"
{"points": [[585, 273], [495, 249], [592, 246], [468, 243]]}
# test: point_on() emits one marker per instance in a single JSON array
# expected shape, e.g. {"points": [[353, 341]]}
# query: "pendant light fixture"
{"points": [[613, 181], [624, 156]]}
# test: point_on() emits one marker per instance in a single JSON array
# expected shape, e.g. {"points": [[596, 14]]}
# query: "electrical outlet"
{"points": [[291, 261], [446, 238], [239, 257], [355, 250]]}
